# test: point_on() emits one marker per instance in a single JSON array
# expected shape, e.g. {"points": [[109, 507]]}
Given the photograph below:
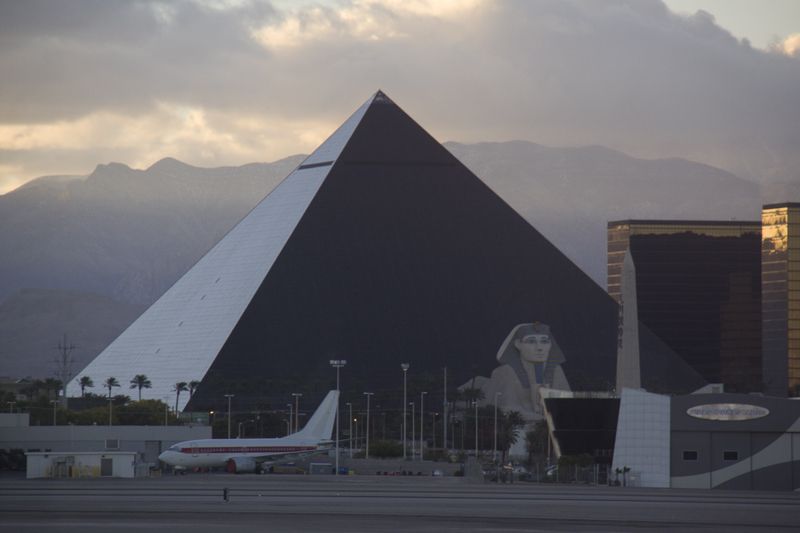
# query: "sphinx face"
{"points": [[534, 348]]}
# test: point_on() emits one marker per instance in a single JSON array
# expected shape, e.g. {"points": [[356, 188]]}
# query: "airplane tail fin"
{"points": [[320, 427]]}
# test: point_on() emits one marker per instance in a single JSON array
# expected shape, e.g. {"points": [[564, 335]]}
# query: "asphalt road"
{"points": [[194, 503]]}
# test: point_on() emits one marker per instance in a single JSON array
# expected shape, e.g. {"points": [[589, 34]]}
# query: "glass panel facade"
{"points": [[780, 282], [699, 289]]}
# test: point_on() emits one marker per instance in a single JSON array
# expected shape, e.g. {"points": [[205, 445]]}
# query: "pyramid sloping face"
{"points": [[179, 336], [380, 248], [404, 255]]}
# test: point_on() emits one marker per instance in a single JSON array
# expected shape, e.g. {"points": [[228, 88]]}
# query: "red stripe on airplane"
{"points": [[247, 449]]}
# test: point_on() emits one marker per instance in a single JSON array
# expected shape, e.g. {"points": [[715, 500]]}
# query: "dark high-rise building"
{"points": [[780, 292], [698, 287], [381, 248]]}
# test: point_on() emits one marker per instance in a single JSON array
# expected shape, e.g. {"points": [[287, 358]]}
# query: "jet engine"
{"points": [[239, 465]]}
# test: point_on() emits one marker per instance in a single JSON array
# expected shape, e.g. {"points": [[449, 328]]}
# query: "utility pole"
{"points": [[229, 396], [475, 403], [367, 394], [405, 367], [413, 431], [296, 411], [494, 446], [444, 413], [337, 364], [350, 434], [64, 362], [421, 424], [433, 427]]}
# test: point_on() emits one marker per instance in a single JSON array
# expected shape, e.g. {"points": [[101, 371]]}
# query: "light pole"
{"points": [[405, 367], [296, 410], [337, 364], [166, 408], [291, 419], [367, 394], [433, 427], [356, 421], [421, 424], [229, 396], [444, 413], [54, 403], [475, 404], [413, 431], [494, 446], [109, 407], [350, 433]]}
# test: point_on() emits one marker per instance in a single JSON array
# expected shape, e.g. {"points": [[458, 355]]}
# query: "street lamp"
{"points": [[421, 423], [337, 364], [494, 446], [444, 412], [475, 404], [367, 394], [356, 421], [405, 367], [296, 410], [413, 431], [54, 403], [433, 426], [291, 419], [350, 434], [229, 396]]}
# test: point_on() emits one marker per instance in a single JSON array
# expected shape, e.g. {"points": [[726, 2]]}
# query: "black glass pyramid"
{"points": [[381, 248], [404, 255]]}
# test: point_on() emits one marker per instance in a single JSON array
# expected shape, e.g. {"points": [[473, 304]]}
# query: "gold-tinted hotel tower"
{"points": [[780, 297], [698, 285]]}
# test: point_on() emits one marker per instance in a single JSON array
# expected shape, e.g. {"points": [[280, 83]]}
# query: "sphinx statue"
{"points": [[529, 360]]}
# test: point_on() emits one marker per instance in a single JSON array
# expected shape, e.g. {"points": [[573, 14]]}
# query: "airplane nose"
{"points": [[164, 457]]}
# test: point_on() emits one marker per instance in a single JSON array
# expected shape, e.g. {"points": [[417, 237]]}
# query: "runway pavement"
{"points": [[366, 503]]}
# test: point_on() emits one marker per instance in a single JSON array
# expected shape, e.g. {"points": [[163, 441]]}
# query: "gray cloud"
{"points": [[626, 74]]}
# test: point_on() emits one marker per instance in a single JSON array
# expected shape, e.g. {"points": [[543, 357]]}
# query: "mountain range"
{"points": [[98, 249]]}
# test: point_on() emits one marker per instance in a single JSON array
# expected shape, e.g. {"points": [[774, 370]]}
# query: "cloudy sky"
{"points": [[218, 82]]}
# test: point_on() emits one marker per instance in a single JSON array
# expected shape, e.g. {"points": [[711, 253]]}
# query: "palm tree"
{"points": [[471, 394], [110, 382], [193, 387], [84, 382], [179, 387], [52, 384], [140, 382], [510, 424]]}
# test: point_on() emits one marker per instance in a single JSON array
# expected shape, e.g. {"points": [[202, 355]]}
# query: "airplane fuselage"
{"points": [[209, 453]]}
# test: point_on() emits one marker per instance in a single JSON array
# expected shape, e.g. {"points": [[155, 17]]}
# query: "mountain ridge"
{"points": [[128, 234]]}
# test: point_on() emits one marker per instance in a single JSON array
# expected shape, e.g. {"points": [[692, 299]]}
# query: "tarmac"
{"points": [[277, 503]]}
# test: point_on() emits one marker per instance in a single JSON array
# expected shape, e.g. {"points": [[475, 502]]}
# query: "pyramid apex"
{"points": [[381, 98]]}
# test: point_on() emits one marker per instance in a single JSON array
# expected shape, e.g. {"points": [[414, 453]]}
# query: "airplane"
{"points": [[250, 455]]}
